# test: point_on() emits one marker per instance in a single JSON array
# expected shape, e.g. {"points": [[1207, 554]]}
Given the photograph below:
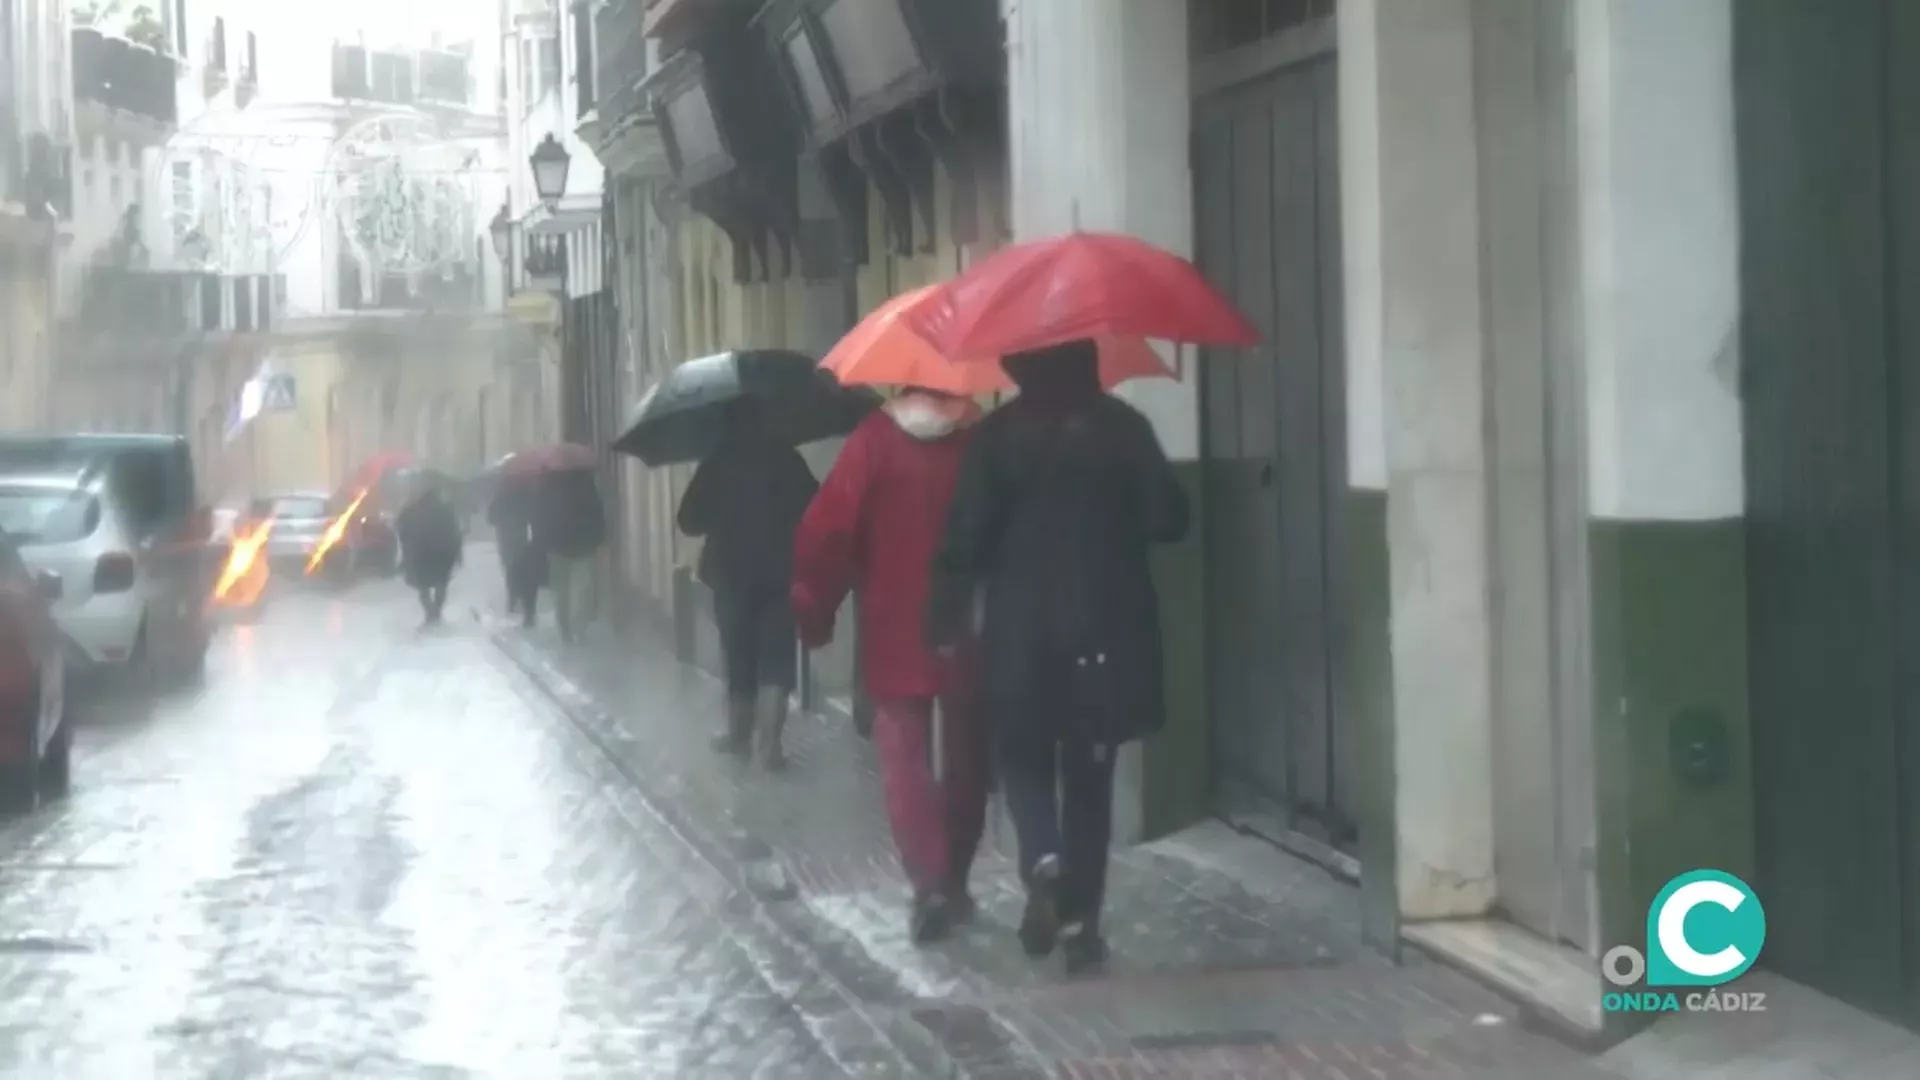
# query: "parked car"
{"points": [[36, 743], [124, 606], [300, 521]]}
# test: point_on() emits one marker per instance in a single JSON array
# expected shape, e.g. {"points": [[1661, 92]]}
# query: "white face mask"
{"points": [[926, 417]]}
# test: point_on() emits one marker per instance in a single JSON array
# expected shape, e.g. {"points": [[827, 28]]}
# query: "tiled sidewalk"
{"points": [[1257, 972]]}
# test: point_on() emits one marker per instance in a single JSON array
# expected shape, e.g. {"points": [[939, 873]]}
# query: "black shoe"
{"points": [[930, 919], [961, 908], [1082, 948], [1040, 924]]}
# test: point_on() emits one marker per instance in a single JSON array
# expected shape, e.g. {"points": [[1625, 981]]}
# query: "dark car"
{"points": [[36, 742]]}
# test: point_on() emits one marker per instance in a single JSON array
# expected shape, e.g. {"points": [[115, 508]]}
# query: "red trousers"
{"points": [[937, 819]]}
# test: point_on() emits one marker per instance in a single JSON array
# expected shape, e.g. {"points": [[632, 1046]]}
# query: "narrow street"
{"points": [[362, 849]]}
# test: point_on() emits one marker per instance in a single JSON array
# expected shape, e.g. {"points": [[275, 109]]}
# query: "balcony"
{"points": [[35, 172], [132, 80], [454, 287], [623, 132], [545, 261], [120, 301], [426, 77]]}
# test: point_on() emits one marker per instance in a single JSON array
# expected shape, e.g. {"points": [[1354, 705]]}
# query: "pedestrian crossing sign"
{"points": [[277, 394]]}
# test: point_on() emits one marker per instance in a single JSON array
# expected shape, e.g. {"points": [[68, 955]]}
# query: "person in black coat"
{"points": [[522, 562], [430, 544], [746, 500], [1063, 492]]}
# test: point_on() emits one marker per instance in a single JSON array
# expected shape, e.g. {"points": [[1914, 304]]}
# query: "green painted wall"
{"points": [[1177, 777], [1368, 675], [1673, 750]]}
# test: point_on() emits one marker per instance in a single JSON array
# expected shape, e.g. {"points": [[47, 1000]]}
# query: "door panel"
{"points": [[1829, 366], [1267, 223]]}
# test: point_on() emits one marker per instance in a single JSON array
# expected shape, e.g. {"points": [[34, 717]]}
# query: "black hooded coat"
{"points": [[430, 542], [1063, 492]]}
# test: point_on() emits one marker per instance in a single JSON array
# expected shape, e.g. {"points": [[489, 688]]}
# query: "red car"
{"points": [[36, 743]]}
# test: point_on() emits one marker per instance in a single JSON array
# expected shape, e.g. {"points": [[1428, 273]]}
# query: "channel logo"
{"points": [[1705, 928]]}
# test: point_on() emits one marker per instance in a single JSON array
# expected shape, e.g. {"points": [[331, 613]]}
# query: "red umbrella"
{"points": [[1082, 285], [379, 465], [560, 457]]}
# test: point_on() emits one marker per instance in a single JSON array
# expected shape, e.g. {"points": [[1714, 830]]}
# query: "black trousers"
{"points": [[433, 599], [758, 643], [1060, 796]]}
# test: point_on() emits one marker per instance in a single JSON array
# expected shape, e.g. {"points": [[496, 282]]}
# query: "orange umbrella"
{"points": [[885, 350]]}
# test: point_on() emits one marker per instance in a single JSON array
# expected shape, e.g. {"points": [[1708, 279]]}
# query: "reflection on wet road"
{"points": [[365, 850]]}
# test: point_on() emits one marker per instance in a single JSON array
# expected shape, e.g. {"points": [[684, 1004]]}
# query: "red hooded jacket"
{"points": [[872, 530]]}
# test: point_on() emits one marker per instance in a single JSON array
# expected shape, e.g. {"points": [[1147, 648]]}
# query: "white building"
{"points": [[36, 135]]}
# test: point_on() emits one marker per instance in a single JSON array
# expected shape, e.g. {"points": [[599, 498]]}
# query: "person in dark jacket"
{"points": [[1063, 492], [570, 526], [746, 500], [430, 543], [522, 562]]}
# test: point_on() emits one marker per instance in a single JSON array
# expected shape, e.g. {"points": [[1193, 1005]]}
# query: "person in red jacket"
{"points": [[872, 530]]}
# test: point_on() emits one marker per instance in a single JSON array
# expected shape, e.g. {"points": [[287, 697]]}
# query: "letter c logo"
{"points": [[1705, 928]]}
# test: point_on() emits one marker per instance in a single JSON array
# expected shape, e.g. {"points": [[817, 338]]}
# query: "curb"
{"points": [[749, 867]]}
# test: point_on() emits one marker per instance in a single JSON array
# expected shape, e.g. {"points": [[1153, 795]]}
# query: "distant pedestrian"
{"points": [[745, 501], [430, 549], [872, 531], [522, 563], [1063, 491], [570, 525]]}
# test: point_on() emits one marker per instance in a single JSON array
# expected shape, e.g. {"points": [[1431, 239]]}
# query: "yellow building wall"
{"points": [[26, 338], [716, 315], [293, 450]]}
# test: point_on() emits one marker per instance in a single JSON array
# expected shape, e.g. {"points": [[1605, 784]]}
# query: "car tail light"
{"points": [[113, 573]]}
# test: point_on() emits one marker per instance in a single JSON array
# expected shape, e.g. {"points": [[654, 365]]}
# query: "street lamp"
{"points": [[502, 232], [550, 161]]}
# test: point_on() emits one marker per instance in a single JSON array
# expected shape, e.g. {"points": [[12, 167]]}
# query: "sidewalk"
{"points": [[1230, 959]]}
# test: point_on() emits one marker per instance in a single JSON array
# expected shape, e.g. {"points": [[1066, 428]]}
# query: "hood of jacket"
{"points": [[1067, 374], [930, 419]]}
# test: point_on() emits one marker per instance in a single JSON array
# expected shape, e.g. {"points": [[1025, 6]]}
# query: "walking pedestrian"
{"points": [[1063, 491], [872, 530], [430, 549], [522, 563], [570, 525], [745, 500]]}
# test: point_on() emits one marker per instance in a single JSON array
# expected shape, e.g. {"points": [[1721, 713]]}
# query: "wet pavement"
{"points": [[361, 849], [1230, 959]]}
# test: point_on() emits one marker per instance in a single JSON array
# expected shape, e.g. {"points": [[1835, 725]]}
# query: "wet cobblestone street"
{"points": [[361, 849]]}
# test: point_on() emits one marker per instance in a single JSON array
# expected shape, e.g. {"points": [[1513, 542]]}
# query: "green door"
{"points": [[1828, 104]]}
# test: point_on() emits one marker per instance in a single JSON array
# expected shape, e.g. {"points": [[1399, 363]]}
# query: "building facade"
{"points": [[302, 199], [36, 164], [1550, 545]]}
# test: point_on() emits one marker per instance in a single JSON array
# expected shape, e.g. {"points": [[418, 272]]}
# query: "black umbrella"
{"points": [[684, 415]]}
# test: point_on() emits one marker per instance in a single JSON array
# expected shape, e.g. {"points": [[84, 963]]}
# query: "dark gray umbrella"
{"points": [[683, 416]]}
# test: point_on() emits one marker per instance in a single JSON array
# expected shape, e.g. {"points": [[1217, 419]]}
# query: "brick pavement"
{"points": [[1214, 974]]}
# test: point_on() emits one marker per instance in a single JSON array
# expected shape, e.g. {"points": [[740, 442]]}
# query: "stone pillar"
{"points": [[1100, 108], [1411, 187]]}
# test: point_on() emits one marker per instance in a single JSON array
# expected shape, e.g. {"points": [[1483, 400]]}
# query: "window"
{"points": [[253, 58], [350, 72], [549, 65], [183, 202], [582, 59], [47, 515], [695, 131], [180, 27], [529, 65], [443, 76], [872, 42], [217, 45], [392, 78], [813, 81]]}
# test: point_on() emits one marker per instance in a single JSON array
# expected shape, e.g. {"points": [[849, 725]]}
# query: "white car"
{"points": [[121, 603]]}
